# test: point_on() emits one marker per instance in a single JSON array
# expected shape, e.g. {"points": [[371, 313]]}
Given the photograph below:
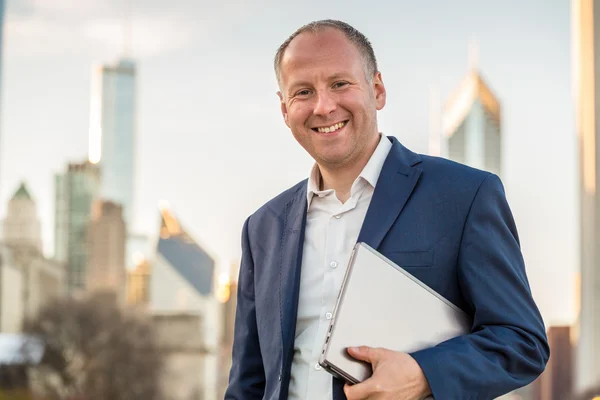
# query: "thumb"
{"points": [[365, 353]]}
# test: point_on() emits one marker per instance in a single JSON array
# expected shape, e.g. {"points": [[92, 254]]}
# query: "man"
{"points": [[447, 224]]}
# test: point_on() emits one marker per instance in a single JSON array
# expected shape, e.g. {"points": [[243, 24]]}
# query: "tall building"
{"points": [[113, 123], [106, 249], [113, 131], [471, 125], [183, 273], [586, 64], [182, 285], [75, 192], [12, 308], [22, 226], [556, 382], [41, 279]]}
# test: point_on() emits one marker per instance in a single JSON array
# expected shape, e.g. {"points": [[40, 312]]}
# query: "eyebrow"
{"points": [[338, 76], [334, 77], [298, 85]]}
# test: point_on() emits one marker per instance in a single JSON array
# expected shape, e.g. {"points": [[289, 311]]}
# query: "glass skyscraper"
{"points": [[183, 283], [112, 133], [471, 125], [183, 275], [76, 191]]}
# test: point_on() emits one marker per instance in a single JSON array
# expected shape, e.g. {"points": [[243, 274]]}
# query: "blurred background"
{"points": [[136, 137]]}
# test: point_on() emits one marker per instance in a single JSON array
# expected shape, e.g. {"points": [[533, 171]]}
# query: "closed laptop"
{"points": [[382, 305]]}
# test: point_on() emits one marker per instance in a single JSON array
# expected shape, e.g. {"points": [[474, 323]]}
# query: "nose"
{"points": [[325, 104]]}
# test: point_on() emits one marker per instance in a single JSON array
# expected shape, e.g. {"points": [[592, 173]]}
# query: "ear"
{"points": [[379, 91], [283, 108]]}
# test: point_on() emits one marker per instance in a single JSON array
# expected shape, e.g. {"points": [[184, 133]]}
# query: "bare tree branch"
{"points": [[95, 350]]}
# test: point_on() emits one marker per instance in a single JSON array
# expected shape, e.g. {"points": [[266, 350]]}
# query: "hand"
{"points": [[395, 376]]}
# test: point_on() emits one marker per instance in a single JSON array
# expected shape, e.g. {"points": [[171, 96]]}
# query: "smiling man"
{"points": [[447, 224]]}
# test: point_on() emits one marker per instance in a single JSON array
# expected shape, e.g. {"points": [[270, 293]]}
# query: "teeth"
{"points": [[332, 128]]}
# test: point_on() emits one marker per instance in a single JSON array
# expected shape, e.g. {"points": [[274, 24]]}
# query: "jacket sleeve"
{"points": [[247, 375], [507, 347]]}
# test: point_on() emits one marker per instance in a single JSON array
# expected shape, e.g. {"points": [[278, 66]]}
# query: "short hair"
{"points": [[356, 37]]}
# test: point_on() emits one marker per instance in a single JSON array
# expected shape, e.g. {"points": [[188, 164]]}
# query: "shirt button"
{"points": [[338, 216], [317, 367], [328, 315], [333, 264]]}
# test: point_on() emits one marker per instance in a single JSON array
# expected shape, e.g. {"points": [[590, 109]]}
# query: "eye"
{"points": [[303, 92], [340, 84]]}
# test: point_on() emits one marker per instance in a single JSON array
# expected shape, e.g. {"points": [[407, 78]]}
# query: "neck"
{"points": [[341, 178]]}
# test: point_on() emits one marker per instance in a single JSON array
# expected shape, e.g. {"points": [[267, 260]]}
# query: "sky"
{"points": [[211, 140]]}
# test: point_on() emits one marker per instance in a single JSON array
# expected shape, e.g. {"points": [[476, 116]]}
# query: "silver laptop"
{"points": [[382, 305]]}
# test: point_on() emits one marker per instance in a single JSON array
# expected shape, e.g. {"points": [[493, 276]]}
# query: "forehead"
{"points": [[326, 51]]}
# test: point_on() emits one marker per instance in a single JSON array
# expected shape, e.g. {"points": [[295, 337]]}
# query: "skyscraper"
{"points": [[471, 125], [182, 277], [182, 287], [12, 284], [21, 228], [38, 279], [586, 64], [112, 133], [76, 190], [106, 249]]}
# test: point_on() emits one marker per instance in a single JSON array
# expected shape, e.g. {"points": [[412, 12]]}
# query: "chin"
{"points": [[332, 159]]}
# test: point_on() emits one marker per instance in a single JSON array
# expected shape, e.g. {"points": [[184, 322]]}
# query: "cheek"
{"points": [[298, 115], [356, 105]]}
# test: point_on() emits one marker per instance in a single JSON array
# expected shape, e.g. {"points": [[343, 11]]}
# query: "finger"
{"points": [[359, 391], [365, 353]]}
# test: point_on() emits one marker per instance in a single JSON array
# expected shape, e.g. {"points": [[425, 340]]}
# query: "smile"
{"points": [[332, 128]]}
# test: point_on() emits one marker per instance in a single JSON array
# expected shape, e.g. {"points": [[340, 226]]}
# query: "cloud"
{"points": [[62, 8], [40, 28], [36, 36], [150, 35], [27, 36]]}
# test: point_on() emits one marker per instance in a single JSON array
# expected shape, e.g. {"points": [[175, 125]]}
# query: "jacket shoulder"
{"points": [[440, 168], [278, 203]]}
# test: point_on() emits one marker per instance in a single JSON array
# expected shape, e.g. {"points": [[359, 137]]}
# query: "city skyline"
{"points": [[210, 121]]}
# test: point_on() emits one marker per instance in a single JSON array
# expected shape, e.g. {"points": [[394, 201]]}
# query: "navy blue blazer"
{"points": [[447, 224]]}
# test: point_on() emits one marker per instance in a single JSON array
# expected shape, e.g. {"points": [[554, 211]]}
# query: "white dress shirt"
{"points": [[331, 232]]}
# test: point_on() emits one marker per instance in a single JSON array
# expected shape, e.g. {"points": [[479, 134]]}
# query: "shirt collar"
{"points": [[370, 172]]}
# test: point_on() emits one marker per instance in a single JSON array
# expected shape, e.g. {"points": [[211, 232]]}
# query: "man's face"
{"points": [[327, 100]]}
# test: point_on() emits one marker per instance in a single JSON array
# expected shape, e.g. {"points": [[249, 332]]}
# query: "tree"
{"points": [[95, 350]]}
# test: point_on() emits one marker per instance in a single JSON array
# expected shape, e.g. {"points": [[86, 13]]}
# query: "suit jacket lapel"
{"points": [[396, 182], [290, 264], [394, 186]]}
